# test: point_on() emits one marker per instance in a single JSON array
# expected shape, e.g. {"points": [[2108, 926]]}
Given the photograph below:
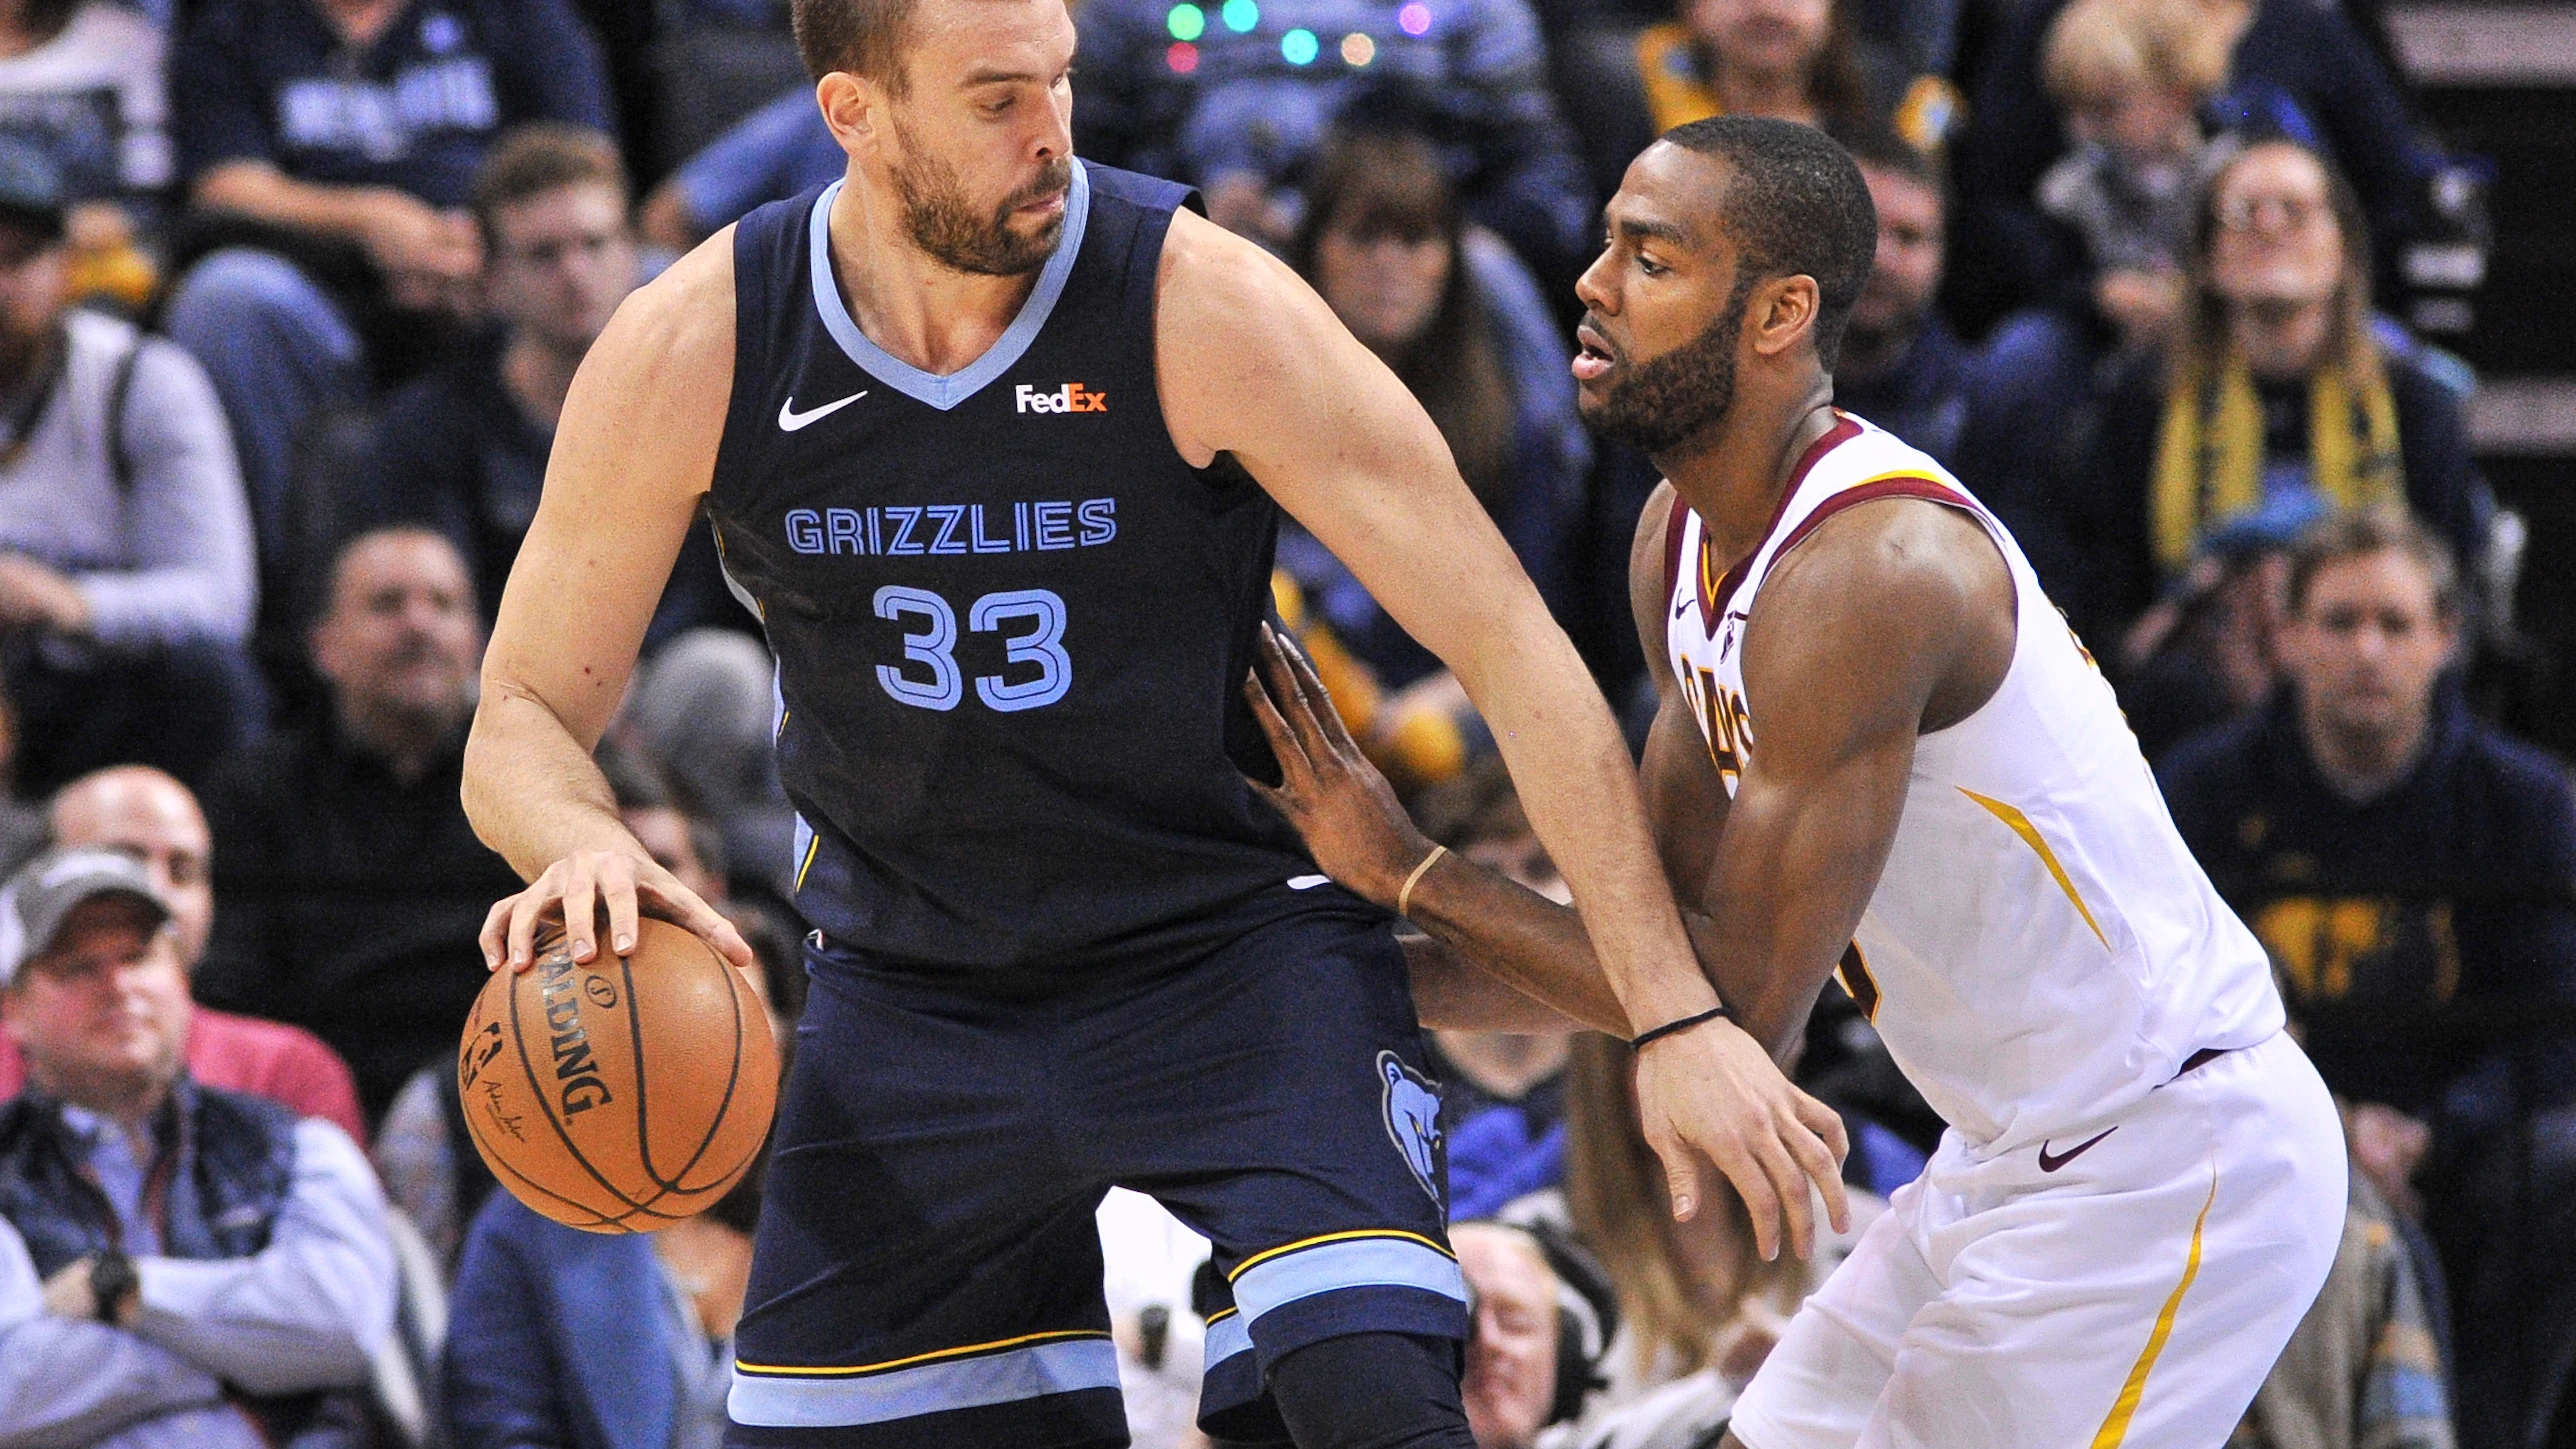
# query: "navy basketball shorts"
{"points": [[927, 1271]]}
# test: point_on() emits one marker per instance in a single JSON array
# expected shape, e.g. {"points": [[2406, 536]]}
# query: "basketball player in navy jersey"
{"points": [[991, 440]]}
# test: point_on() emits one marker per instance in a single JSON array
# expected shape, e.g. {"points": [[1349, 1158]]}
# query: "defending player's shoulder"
{"points": [[1650, 582], [1901, 597]]}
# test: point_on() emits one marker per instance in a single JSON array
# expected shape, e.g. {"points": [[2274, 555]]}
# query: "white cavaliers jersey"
{"points": [[2041, 950]]}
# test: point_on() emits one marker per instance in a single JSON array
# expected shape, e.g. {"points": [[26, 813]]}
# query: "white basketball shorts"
{"points": [[2127, 1283]]}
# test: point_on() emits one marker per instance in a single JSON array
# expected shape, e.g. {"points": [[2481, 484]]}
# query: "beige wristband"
{"points": [[1404, 897]]}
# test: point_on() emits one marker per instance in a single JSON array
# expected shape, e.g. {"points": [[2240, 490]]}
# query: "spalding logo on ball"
{"points": [[624, 1094]]}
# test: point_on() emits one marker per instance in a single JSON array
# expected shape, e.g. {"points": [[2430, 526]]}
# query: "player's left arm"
{"points": [[1895, 620], [1253, 363]]}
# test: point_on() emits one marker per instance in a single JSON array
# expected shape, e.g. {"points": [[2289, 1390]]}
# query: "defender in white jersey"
{"points": [[1881, 755]]}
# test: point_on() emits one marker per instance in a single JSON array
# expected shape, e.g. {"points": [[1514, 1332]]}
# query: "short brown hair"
{"points": [[862, 37], [539, 157], [2362, 532]]}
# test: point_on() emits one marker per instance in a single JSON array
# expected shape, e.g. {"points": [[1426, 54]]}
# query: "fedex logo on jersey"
{"points": [[1073, 397]]}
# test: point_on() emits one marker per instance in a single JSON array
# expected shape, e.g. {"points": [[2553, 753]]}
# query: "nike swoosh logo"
{"points": [[789, 420], [2048, 1163]]}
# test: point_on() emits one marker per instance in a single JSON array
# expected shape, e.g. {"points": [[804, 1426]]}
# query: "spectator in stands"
{"points": [[1699, 1310], [1902, 367], [1798, 60], [2364, 1368], [2275, 400], [1511, 1385], [81, 81], [125, 554], [463, 450], [772, 154], [1460, 321], [2294, 68], [2397, 855], [351, 887], [576, 1340], [1241, 112], [339, 140], [179, 1264], [152, 817]]}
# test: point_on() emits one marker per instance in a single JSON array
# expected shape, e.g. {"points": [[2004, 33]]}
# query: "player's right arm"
{"points": [[633, 456]]}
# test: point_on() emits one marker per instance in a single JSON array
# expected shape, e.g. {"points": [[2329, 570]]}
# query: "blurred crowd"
{"points": [[291, 296]]}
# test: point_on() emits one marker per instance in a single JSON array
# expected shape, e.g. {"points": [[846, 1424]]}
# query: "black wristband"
{"points": [[111, 1278], [1685, 1024]]}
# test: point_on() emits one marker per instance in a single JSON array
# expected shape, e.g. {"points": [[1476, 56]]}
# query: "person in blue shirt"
{"points": [[1241, 103], [2412, 870], [338, 142]]}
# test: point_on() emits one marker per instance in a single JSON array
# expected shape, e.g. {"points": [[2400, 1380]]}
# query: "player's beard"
{"points": [[945, 224], [1660, 404]]}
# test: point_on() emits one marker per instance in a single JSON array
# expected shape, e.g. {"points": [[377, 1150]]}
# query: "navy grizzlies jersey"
{"points": [[1010, 620]]}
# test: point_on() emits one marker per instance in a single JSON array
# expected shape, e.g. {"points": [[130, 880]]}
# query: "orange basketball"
{"points": [[622, 1095]]}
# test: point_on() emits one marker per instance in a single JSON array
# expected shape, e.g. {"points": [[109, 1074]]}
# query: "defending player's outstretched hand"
{"points": [[629, 884], [1339, 802]]}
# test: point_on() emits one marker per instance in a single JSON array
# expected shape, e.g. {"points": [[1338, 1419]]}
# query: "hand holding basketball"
{"points": [[629, 883], [623, 1093]]}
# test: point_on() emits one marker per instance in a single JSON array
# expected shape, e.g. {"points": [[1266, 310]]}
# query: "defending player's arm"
{"points": [[632, 458], [1331, 433]]}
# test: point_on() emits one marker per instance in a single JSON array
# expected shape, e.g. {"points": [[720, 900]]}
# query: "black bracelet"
{"points": [[1685, 1024]]}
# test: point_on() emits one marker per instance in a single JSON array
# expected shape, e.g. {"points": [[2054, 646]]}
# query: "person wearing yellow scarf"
{"points": [[1680, 87], [2210, 455]]}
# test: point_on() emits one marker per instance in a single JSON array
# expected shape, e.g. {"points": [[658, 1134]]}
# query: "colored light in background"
{"points": [[1358, 49], [1300, 47], [1186, 22], [1414, 19], [1240, 16], [1182, 57]]}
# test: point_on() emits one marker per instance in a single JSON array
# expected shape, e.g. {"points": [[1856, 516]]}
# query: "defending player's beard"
{"points": [[1662, 403], [945, 224]]}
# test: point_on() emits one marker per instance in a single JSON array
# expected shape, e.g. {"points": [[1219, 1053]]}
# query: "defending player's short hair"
{"points": [[1796, 205], [539, 157], [863, 37], [2363, 532]]}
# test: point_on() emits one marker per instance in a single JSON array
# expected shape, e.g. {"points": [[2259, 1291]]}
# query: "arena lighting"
{"points": [[1240, 16], [1414, 19], [1186, 22], [1358, 49], [1182, 57], [1300, 47]]}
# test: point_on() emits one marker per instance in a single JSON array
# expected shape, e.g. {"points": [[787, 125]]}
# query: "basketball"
{"points": [[625, 1094]]}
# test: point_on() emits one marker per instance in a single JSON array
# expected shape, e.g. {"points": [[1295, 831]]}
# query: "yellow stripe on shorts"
{"points": [[2116, 1427]]}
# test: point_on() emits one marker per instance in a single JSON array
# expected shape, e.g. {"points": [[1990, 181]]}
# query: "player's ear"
{"points": [[853, 107], [1784, 310]]}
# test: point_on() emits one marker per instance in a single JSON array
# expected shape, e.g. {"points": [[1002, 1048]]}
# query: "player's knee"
{"points": [[1372, 1391]]}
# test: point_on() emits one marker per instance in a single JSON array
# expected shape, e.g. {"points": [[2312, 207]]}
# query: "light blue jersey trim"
{"points": [[947, 392], [1330, 1267], [765, 1402], [1227, 1337]]}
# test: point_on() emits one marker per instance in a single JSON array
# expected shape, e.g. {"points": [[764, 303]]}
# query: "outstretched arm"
{"points": [[633, 455]]}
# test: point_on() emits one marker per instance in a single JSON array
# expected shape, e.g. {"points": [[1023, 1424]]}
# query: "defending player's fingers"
{"points": [[1681, 1173], [1294, 768], [1296, 703], [1328, 718]]}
